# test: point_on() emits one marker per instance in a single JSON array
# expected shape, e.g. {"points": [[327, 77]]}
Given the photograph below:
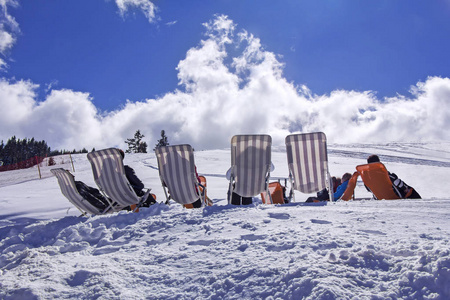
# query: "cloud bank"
{"points": [[229, 84]]}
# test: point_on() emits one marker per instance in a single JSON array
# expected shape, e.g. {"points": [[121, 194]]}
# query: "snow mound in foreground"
{"points": [[367, 249]]}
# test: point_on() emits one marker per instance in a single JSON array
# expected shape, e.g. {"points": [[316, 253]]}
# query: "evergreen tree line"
{"points": [[16, 150]]}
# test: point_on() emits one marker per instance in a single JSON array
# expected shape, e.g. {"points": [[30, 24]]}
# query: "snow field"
{"points": [[350, 250]]}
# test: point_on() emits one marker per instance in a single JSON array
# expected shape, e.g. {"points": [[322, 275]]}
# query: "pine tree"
{"points": [[135, 144], [142, 147], [131, 145], [163, 141]]}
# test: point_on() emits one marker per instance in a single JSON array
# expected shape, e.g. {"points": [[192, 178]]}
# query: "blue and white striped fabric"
{"points": [[308, 161], [69, 190], [177, 172], [110, 177], [250, 164]]}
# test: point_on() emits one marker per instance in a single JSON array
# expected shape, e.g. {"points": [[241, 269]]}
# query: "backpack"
{"points": [[323, 195]]}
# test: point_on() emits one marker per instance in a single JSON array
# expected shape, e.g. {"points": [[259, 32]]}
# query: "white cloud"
{"points": [[3, 64], [6, 40], [229, 85], [147, 7], [17, 101], [8, 30], [51, 85], [68, 119], [7, 19], [171, 23]]}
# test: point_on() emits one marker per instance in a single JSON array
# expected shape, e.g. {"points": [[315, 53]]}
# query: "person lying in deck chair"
{"points": [[323, 194], [196, 204], [136, 183], [92, 195], [400, 187], [179, 178], [336, 182]]}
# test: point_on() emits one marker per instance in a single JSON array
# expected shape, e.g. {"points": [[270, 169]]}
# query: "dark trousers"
{"points": [[236, 200], [414, 195]]}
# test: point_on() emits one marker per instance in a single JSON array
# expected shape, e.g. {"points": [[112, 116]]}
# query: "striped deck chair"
{"points": [[308, 163], [110, 177], [69, 190], [202, 188], [375, 176], [177, 173], [250, 165]]}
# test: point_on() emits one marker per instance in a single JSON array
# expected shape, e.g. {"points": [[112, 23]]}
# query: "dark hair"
{"points": [[373, 158], [346, 177]]}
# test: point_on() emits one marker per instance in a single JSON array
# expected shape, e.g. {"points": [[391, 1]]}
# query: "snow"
{"points": [[349, 250]]}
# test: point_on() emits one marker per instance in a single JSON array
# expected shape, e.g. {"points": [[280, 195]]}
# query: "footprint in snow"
{"points": [[282, 247], [315, 221], [253, 237], [201, 243], [79, 277], [279, 216], [373, 232]]}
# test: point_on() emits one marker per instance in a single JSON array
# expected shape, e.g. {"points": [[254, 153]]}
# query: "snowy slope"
{"points": [[350, 250]]}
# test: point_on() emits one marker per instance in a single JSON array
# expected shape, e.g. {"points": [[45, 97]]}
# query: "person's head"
{"points": [[373, 158], [346, 177], [122, 153]]}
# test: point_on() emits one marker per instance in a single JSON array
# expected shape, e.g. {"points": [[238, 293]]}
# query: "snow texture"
{"points": [[364, 249]]}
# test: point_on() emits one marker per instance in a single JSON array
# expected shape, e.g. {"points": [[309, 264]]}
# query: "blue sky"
{"points": [[113, 51]]}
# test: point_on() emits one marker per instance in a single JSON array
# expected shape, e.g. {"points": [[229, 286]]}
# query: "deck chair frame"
{"points": [[250, 165], [110, 177], [177, 173], [68, 188], [308, 163]]}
